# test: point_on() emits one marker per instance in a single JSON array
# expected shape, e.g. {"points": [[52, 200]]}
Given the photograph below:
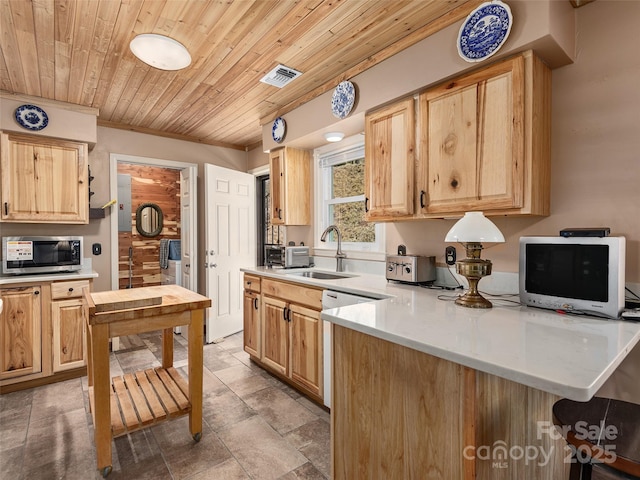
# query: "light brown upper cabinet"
{"points": [[290, 186], [43, 180], [389, 161], [485, 141]]}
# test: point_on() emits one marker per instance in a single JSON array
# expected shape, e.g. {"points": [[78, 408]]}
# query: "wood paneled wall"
{"points": [[400, 413], [162, 187]]}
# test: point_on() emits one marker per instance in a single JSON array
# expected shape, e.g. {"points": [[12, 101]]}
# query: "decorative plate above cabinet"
{"points": [[278, 130], [484, 31], [31, 117], [343, 99]]}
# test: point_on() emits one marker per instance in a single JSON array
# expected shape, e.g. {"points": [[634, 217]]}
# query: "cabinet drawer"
{"points": [[251, 283], [71, 289], [311, 297]]}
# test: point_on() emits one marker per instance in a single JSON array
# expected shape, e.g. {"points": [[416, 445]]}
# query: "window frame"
{"points": [[349, 149]]}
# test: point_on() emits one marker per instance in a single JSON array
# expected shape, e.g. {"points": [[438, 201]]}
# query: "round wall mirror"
{"points": [[149, 220]]}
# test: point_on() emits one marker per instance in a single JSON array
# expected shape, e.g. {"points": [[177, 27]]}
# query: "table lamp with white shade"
{"points": [[473, 230]]}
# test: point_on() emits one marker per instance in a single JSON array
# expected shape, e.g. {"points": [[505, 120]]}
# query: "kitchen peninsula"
{"points": [[423, 388]]}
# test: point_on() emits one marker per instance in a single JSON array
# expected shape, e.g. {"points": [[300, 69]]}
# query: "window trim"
{"points": [[333, 154]]}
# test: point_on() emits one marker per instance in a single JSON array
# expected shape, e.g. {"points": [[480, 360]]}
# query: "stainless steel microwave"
{"points": [[25, 255]]}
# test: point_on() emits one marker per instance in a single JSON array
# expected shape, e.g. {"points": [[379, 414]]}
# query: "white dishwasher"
{"points": [[334, 299]]}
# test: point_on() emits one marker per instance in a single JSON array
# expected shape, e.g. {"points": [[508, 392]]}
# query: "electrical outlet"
{"points": [[450, 255]]}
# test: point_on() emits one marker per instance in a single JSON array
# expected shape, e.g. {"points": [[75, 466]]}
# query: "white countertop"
{"points": [[570, 356], [85, 273]]}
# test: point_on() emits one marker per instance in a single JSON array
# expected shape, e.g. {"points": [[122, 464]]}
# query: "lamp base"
{"points": [[473, 300], [473, 269]]}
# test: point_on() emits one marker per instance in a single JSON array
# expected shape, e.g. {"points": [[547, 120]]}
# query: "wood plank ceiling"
{"points": [[77, 51]]}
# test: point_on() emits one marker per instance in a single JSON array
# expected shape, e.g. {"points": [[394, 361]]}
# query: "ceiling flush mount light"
{"points": [[160, 52], [473, 230], [333, 136]]}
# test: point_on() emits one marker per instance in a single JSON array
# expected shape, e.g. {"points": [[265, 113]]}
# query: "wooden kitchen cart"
{"points": [[137, 400]]}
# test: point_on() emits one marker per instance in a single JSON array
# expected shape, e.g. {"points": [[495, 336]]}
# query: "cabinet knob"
{"points": [[71, 289], [37, 292], [64, 350]]}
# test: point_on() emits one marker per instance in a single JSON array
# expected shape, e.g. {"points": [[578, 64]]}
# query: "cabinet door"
{"points": [[389, 161], [251, 329], [275, 335], [43, 180], [276, 187], [290, 187], [69, 346], [306, 348], [20, 335], [473, 147]]}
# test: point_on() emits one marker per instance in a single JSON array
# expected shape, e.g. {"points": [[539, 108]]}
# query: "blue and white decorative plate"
{"points": [[31, 117], [484, 31], [278, 129], [344, 96]]}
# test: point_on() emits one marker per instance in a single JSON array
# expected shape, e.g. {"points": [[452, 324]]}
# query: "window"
{"points": [[340, 199]]}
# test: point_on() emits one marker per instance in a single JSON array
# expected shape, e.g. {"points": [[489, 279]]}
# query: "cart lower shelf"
{"points": [[145, 398]]}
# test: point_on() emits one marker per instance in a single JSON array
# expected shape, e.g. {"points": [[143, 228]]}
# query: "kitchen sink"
{"points": [[320, 275]]}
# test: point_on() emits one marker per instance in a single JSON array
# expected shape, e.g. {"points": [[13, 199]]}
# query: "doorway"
{"points": [[268, 234], [122, 274]]}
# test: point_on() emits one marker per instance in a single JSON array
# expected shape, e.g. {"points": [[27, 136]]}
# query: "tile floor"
{"points": [[255, 427]]}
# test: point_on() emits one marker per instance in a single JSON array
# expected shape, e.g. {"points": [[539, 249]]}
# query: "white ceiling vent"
{"points": [[280, 76]]}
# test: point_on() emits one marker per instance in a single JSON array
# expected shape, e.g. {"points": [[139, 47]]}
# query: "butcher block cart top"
{"points": [[124, 404]]}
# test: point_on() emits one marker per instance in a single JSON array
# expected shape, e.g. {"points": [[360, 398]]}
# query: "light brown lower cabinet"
{"points": [[42, 333], [252, 316], [251, 331], [400, 413], [20, 331], [291, 334], [68, 335]]}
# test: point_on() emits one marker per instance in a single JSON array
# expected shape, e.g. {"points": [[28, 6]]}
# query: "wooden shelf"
{"points": [[145, 398]]}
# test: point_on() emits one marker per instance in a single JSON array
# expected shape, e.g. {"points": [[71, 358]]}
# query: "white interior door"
{"points": [[230, 241], [188, 223]]}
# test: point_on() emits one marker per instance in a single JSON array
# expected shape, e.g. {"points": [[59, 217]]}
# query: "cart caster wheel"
{"points": [[197, 436], [106, 471]]}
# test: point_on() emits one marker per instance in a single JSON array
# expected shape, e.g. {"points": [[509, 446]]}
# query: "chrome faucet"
{"points": [[339, 253]]}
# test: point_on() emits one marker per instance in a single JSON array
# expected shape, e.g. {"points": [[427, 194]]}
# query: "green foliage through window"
{"points": [[342, 185]]}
